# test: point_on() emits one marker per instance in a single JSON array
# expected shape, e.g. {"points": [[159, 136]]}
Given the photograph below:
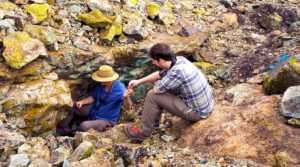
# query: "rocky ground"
{"points": [[49, 48]]}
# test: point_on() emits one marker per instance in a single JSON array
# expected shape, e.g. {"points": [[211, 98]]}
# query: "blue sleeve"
{"points": [[122, 87], [94, 92]]}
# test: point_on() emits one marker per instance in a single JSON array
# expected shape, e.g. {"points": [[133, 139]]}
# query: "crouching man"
{"points": [[192, 102], [102, 108]]}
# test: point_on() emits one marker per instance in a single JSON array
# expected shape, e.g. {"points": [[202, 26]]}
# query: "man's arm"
{"points": [[152, 77], [127, 101], [88, 100]]}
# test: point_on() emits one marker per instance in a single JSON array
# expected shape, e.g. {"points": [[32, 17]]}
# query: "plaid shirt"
{"points": [[191, 83]]}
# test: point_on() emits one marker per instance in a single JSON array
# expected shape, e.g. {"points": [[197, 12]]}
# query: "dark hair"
{"points": [[161, 51]]}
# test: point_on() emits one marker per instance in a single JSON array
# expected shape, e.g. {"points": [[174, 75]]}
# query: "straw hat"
{"points": [[105, 73]]}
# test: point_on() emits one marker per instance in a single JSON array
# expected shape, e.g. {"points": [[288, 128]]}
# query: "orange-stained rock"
{"points": [[252, 130]]}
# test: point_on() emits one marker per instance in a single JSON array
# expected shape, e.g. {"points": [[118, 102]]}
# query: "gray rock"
{"points": [[226, 3], [18, 160], [273, 21], [59, 155], [295, 26], [51, 142], [83, 151], [134, 27], [290, 103], [61, 2], [81, 43], [39, 162], [11, 138], [102, 5], [167, 138], [7, 24]]}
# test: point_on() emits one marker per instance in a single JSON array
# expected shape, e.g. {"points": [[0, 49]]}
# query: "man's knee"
{"points": [[84, 126], [151, 95]]}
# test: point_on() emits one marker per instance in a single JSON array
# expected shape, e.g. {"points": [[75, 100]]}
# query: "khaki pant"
{"points": [[155, 103], [81, 117]]}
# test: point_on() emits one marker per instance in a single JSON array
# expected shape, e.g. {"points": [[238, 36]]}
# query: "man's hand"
{"points": [[133, 83], [128, 93], [79, 104], [154, 90]]}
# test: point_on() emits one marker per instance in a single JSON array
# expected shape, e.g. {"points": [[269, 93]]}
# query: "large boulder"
{"points": [[290, 103], [79, 62], [20, 49], [35, 70], [41, 103], [252, 130], [284, 75]]}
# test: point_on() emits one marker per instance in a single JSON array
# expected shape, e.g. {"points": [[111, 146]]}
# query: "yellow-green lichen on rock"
{"points": [[38, 11], [6, 5], [20, 49], [283, 76], [83, 151], [153, 9], [95, 18], [39, 102], [204, 65], [199, 12], [115, 29], [167, 17], [273, 21]]}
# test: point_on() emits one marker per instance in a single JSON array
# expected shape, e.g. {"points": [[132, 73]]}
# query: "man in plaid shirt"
{"points": [[181, 89]]}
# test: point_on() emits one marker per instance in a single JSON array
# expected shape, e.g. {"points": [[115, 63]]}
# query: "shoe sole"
{"points": [[130, 136]]}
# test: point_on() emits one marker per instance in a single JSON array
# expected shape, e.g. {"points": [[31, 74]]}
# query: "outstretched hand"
{"points": [[79, 104], [128, 93], [133, 83]]}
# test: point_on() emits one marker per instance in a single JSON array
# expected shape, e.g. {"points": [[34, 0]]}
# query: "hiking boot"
{"points": [[66, 132], [134, 132]]}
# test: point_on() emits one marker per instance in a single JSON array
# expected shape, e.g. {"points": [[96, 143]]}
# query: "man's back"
{"points": [[192, 84]]}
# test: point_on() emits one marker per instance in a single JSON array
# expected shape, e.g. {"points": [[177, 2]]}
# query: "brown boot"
{"points": [[64, 125]]}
